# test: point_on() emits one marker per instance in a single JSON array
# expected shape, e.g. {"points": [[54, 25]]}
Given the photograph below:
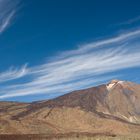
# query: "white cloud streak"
{"points": [[76, 69], [13, 73], [8, 9], [130, 21]]}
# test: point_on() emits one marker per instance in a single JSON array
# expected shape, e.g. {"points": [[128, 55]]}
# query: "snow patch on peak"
{"points": [[109, 86], [120, 82], [113, 83]]}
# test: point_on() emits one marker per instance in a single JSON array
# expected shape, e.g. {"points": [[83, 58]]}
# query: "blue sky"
{"points": [[50, 47]]}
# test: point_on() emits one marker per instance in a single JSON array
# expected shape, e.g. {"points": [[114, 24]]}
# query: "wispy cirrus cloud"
{"points": [[131, 21], [76, 69], [13, 73], [8, 9]]}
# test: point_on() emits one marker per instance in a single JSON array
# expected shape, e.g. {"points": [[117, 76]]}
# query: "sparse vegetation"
{"points": [[44, 137]]}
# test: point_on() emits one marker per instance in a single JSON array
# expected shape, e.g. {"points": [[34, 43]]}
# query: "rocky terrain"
{"points": [[112, 109]]}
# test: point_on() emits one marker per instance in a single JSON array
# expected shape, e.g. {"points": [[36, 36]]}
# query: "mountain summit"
{"points": [[109, 108]]}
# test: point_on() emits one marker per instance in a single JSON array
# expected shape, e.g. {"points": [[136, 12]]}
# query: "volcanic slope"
{"points": [[112, 108]]}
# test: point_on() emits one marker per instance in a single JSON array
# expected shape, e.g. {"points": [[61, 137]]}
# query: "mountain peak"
{"points": [[116, 81], [113, 83]]}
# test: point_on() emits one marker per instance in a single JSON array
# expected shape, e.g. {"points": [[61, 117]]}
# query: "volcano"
{"points": [[112, 108]]}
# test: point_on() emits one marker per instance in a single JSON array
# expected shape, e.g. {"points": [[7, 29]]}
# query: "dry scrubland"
{"points": [[43, 137]]}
